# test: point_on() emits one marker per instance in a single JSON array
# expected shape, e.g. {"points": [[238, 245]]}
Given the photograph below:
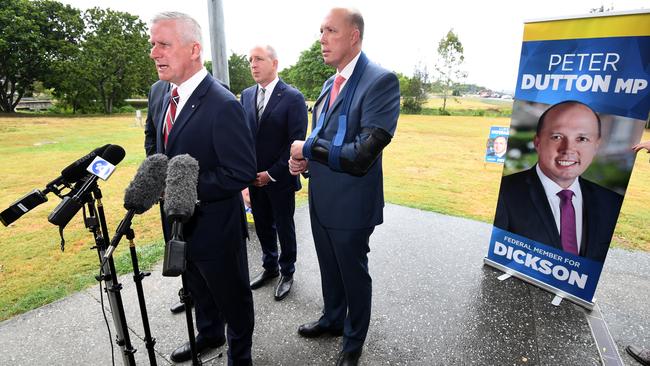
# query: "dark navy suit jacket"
{"points": [[338, 199], [212, 129], [523, 209], [157, 95], [283, 121]]}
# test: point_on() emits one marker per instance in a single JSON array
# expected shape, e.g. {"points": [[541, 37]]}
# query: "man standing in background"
{"points": [[354, 119], [277, 116]]}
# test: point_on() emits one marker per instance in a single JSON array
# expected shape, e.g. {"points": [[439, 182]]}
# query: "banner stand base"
{"points": [[557, 292], [504, 277]]}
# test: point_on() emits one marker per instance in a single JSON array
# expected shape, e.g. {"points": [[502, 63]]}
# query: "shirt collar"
{"points": [[269, 88], [551, 188], [186, 89], [349, 68]]}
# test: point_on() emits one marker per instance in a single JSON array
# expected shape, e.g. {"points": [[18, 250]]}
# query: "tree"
{"points": [[414, 90], [36, 36], [450, 59], [240, 73], [309, 73], [112, 64]]}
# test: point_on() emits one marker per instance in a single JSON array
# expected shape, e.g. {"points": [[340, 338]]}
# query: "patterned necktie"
{"points": [[260, 103], [171, 116], [567, 222], [336, 88]]}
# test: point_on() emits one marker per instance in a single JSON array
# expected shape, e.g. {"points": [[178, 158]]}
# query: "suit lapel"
{"points": [[590, 216], [278, 91], [190, 106], [540, 202], [160, 125], [252, 104], [321, 99]]}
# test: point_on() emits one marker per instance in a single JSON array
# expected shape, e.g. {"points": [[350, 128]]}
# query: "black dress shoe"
{"points": [[263, 278], [177, 307], [639, 354], [314, 329], [283, 287], [349, 358], [184, 352]]}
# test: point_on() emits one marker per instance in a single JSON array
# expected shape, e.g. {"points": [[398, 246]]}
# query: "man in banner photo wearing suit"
{"points": [[203, 119], [354, 118], [551, 203], [277, 116]]}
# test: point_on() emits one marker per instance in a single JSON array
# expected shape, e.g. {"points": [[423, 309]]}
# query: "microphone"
{"points": [[77, 170], [142, 193], [180, 200], [71, 174], [71, 203]]}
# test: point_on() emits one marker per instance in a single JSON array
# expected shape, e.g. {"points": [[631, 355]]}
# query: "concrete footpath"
{"points": [[434, 304]]}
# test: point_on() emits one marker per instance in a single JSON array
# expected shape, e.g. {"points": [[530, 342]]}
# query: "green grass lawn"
{"points": [[434, 163]]}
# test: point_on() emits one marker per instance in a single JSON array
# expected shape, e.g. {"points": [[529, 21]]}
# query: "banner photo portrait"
{"points": [[581, 102], [497, 144]]}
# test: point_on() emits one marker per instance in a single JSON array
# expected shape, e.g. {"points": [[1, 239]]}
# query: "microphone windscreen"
{"points": [[77, 170], [147, 184], [114, 154], [180, 188]]}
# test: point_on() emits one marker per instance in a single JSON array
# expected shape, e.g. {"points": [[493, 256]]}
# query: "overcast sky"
{"points": [[399, 34]]}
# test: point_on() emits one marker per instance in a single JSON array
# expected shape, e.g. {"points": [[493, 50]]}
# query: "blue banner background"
{"points": [[585, 265], [634, 63]]}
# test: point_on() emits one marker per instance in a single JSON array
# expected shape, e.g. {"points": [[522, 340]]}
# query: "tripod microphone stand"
{"points": [[177, 244], [137, 278], [96, 223]]}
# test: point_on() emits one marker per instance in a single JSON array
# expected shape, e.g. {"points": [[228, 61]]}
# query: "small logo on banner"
{"points": [[101, 168]]}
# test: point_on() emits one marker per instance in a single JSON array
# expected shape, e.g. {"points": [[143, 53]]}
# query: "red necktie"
{"points": [[336, 88], [567, 222], [171, 116]]}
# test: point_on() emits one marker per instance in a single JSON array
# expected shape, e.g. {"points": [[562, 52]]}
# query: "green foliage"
{"points": [[36, 36], [450, 59], [414, 91], [126, 109], [208, 66], [309, 73], [240, 73], [111, 64]]}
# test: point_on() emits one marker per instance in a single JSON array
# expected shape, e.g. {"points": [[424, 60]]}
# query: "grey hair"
{"points": [[356, 19], [269, 50], [190, 28]]}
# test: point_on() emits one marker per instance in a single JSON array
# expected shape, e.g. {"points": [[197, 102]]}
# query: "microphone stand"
{"points": [[137, 278], [186, 298], [96, 223]]}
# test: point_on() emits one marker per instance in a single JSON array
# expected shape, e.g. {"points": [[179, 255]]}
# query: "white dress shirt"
{"points": [[186, 89], [346, 73], [551, 189], [268, 91]]}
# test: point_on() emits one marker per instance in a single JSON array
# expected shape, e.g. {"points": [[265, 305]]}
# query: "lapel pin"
{"points": [[192, 106]]}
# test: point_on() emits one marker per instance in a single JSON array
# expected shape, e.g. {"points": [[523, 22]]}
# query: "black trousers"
{"points": [[221, 292], [346, 283], [273, 214]]}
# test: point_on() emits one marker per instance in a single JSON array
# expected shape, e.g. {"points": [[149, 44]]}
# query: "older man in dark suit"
{"points": [[354, 119], [277, 116], [204, 120], [551, 203]]}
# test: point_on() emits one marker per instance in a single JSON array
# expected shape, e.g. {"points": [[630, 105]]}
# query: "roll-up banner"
{"points": [[581, 102]]}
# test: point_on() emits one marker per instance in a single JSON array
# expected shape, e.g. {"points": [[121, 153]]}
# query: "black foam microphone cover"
{"points": [[147, 184], [114, 154], [72, 203], [77, 170], [180, 189]]}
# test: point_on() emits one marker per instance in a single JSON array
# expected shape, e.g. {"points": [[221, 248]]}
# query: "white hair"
{"points": [[190, 28]]}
